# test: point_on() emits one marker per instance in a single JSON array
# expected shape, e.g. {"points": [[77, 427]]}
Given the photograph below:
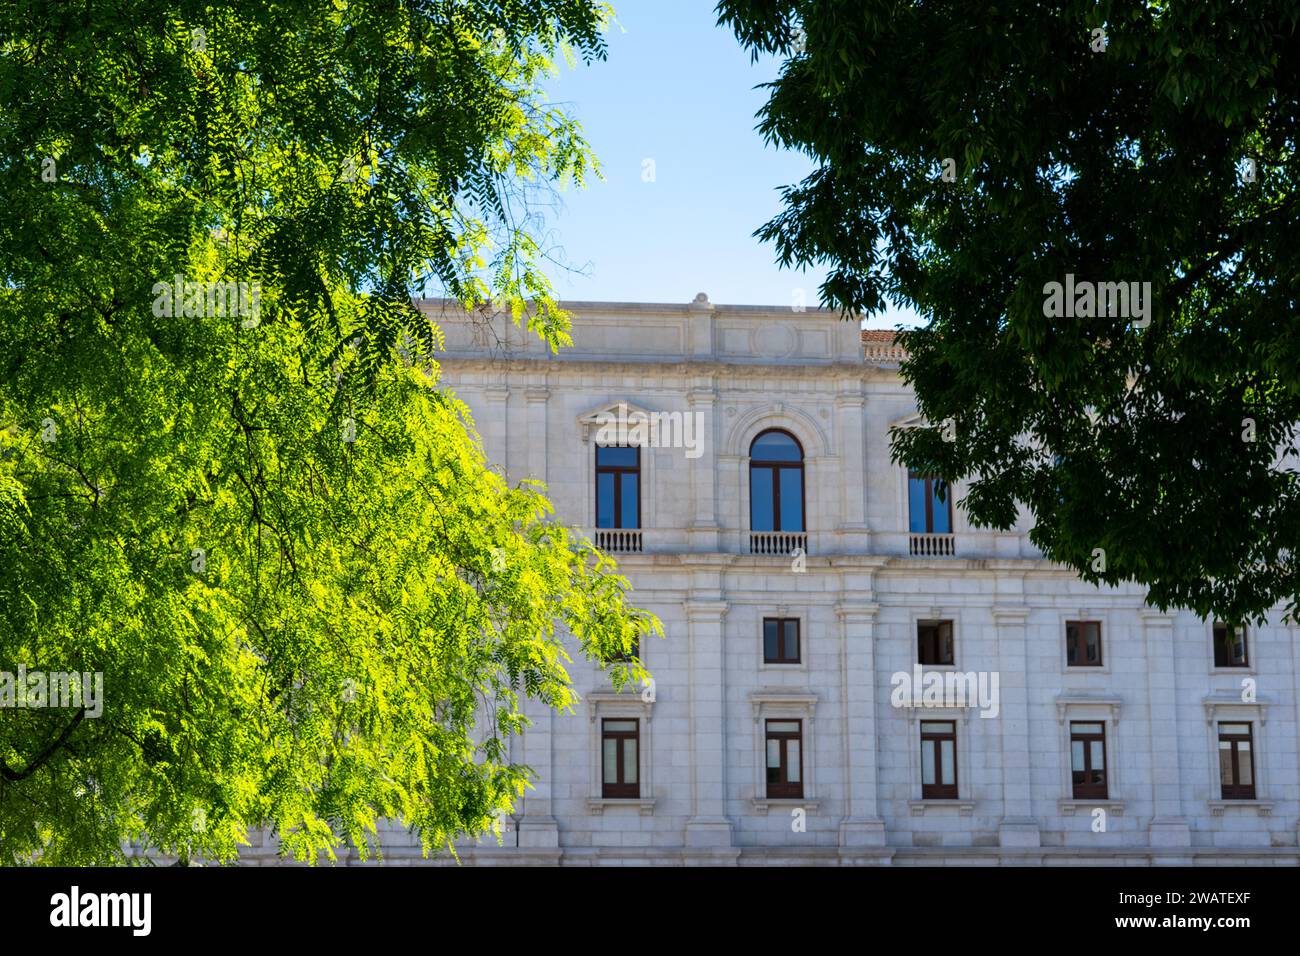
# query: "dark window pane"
{"points": [[916, 505], [760, 506], [791, 499], [1083, 643], [1229, 645], [631, 519], [608, 455], [604, 500], [942, 523], [775, 446], [934, 642], [770, 650], [792, 640]]}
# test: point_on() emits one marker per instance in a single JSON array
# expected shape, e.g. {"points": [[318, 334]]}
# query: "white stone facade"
{"points": [[858, 597]]}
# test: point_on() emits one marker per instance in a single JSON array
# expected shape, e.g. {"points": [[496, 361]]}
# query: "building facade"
{"points": [[851, 674]]}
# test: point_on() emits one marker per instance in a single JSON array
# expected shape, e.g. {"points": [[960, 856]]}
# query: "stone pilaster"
{"points": [[496, 439], [1168, 828], [702, 402], [1018, 828], [709, 826], [861, 826]]}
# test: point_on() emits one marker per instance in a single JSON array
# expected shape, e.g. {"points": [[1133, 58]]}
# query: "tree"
{"points": [[230, 482], [968, 158]]}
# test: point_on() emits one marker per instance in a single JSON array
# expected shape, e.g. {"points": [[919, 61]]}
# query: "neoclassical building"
{"points": [[851, 674]]}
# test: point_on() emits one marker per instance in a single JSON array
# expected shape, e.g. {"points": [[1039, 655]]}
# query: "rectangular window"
{"points": [[1088, 759], [934, 642], [938, 760], [784, 758], [1229, 645], [1083, 643], [618, 487], [620, 745], [1236, 762], [780, 640], [929, 505]]}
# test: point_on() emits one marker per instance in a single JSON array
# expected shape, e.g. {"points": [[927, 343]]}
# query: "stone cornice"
{"points": [[667, 366]]}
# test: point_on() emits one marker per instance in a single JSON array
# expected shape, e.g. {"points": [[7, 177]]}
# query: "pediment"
{"points": [[620, 410], [915, 420]]}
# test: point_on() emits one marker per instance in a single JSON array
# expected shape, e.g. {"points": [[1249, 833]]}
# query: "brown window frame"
{"points": [[1085, 790], [938, 624], [1081, 646], [939, 790], [783, 789], [618, 471], [775, 467], [620, 789], [1229, 629], [782, 641], [929, 501], [1237, 790]]}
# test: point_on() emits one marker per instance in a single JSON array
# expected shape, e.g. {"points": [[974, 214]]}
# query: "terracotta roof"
{"points": [[881, 345]]}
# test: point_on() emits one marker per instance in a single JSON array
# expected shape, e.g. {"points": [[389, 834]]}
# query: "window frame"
{"points": [[783, 789], [929, 480], [1239, 791], [618, 471], [1101, 649], [1245, 664], [781, 641], [620, 789], [1085, 790], [952, 641], [775, 466], [938, 790]]}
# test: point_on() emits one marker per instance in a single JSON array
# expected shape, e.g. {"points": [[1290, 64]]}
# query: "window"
{"points": [[1229, 645], [934, 642], [776, 483], [780, 640], [619, 744], [938, 760], [626, 656], [1083, 643], [784, 758], [929, 505], [1236, 762], [1088, 759], [618, 487]]}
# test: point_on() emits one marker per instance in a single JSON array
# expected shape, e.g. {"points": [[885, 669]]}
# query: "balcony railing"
{"points": [[781, 543], [932, 545], [619, 540]]}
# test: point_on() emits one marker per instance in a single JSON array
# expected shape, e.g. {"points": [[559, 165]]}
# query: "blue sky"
{"points": [[679, 91]]}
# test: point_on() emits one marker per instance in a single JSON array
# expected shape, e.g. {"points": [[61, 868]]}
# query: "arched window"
{"points": [[776, 483]]}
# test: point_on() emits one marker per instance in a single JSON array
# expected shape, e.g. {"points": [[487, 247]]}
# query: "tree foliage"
{"points": [[1112, 141], [313, 603]]}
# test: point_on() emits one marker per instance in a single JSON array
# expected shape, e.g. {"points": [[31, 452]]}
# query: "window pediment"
{"points": [[611, 413]]}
